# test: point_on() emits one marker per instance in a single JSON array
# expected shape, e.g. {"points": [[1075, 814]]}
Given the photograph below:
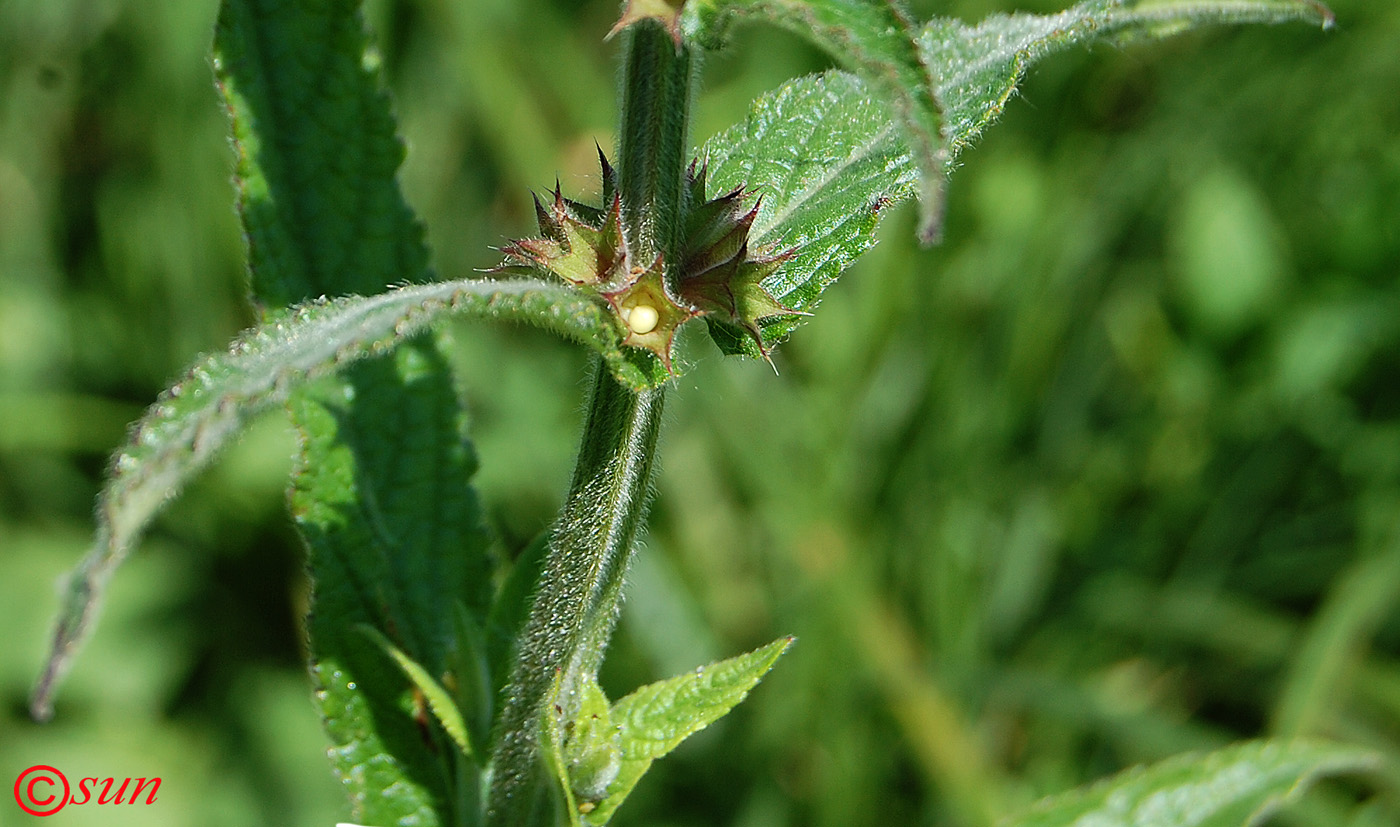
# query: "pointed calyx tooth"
{"points": [[665, 12], [579, 243], [719, 274], [585, 246]]}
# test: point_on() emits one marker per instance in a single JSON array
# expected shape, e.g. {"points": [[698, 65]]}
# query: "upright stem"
{"points": [[592, 541], [580, 586], [658, 85]]}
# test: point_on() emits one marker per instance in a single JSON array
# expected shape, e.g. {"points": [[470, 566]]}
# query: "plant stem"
{"points": [[658, 84], [580, 587], [592, 541]]}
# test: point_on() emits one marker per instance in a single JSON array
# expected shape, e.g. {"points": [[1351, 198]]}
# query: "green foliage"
{"points": [[197, 416], [1034, 606], [654, 720], [1240, 785], [382, 494], [443, 706], [318, 153], [822, 152], [876, 40], [598, 753]]}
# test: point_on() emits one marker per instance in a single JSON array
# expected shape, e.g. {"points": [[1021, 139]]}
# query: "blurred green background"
{"points": [[1111, 474]]}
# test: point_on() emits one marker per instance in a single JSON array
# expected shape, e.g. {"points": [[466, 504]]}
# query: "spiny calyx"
{"points": [[715, 273], [720, 276]]}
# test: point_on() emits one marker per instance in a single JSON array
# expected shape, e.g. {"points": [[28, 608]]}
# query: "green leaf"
{"points": [[876, 40], [656, 718], [827, 159], [438, 699], [220, 394], [317, 153], [383, 498], [978, 67], [383, 495], [551, 736], [1234, 786]]}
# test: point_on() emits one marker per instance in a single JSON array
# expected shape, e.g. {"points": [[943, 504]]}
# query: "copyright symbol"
{"points": [[34, 790]]}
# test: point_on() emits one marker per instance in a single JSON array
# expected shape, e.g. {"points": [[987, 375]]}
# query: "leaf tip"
{"points": [[933, 196], [41, 703], [1329, 18]]}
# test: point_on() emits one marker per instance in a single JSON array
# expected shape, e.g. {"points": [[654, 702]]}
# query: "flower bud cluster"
{"points": [[716, 275]]}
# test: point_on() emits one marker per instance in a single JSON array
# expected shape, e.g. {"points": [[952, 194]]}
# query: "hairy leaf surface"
{"points": [[876, 40], [656, 718], [220, 394], [827, 158], [383, 493], [317, 152], [1235, 786], [383, 498]]}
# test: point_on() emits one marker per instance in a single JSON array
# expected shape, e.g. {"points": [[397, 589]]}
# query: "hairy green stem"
{"points": [[658, 85], [580, 587]]}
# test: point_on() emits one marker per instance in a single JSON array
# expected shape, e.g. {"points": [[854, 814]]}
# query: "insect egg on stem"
{"points": [[642, 319]]}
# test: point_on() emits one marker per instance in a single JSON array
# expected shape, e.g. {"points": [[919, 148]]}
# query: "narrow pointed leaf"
{"points": [[1235, 786], [656, 718], [875, 40], [383, 498], [383, 494], [827, 159], [979, 66], [471, 668], [439, 700], [220, 394]]}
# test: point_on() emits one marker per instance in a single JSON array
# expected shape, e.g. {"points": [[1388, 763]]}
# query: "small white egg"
{"points": [[643, 319]]}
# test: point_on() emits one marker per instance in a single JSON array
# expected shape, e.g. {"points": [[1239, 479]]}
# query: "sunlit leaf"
{"points": [[876, 40], [439, 700], [827, 157], [656, 718], [1235, 786]]}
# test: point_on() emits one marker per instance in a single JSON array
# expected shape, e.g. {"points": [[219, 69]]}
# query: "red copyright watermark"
{"points": [[42, 790]]}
